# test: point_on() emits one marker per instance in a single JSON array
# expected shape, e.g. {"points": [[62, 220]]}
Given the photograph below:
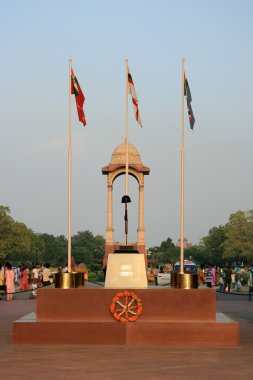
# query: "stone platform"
{"points": [[169, 317]]}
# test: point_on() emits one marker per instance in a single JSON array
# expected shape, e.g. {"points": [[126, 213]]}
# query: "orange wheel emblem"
{"points": [[126, 307]]}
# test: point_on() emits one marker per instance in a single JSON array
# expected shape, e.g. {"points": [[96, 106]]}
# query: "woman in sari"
{"points": [[9, 281], [24, 283]]}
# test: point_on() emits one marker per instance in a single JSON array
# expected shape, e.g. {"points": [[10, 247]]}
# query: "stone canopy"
{"points": [[118, 160]]}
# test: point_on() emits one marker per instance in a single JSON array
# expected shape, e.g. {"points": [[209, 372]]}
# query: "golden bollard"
{"points": [[66, 280], [185, 280], [79, 278]]}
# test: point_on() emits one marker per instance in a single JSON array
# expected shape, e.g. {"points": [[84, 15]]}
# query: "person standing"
{"points": [[24, 283], [40, 277], [213, 270], [17, 274], [35, 277], [9, 281], [217, 276], [46, 275], [201, 276], [155, 273], [228, 279], [208, 274]]}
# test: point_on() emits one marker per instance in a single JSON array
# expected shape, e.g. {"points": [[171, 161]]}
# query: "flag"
{"points": [[76, 90], [131, 90], [187, 93]]}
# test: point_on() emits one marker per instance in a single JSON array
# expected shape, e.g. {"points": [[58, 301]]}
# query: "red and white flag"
{"points": [[77, 91], [131, 91]]}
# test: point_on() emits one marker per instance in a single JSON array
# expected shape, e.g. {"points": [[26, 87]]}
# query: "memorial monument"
{"points": [[115, 169], [182, 315], [127, 262]]}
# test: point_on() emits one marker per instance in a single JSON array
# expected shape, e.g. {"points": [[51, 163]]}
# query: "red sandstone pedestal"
{"points": [[169, 317]]}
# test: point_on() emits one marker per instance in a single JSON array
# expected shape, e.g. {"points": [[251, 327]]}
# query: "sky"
{"points": [[37, 38]]}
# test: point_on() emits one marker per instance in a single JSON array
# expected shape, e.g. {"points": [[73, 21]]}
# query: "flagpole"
{"points": [[126, 143], [69, 171], [182, 179]]}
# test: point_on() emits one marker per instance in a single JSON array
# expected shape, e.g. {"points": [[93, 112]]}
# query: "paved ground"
{"points": [[135, 363]]}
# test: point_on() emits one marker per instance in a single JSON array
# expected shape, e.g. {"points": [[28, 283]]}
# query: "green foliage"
{"points": [[196, 253], [171, 255], [92, 276], [99, 277], [15, 238], [6, 232], [82, 255], [95, 267], [87, 248], [213, 246], [167, 245], [165, 253], [22, 238], [232, 242], [19, 244], [239, 237], [52, 249], [245, 277]]}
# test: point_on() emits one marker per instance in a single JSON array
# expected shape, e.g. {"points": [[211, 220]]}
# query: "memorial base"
{"points": [[170, 317]]}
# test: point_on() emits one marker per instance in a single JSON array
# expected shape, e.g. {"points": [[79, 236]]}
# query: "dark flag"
{"points": [[187, 93]]}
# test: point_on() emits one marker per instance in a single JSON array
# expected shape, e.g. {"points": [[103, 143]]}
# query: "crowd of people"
{"points": [[22, 278], [227, 278]]}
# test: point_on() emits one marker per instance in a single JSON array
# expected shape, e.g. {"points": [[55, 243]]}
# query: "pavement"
{"points": [[131, 362]]}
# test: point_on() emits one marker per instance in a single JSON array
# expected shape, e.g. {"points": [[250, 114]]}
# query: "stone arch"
{"points": [[131, 171]]}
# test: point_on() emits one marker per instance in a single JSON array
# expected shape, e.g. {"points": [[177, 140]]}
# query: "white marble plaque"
{"points": [[126, 271]]}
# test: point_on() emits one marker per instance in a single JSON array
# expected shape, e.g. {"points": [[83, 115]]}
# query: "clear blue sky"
{"points": [[38, 38]]}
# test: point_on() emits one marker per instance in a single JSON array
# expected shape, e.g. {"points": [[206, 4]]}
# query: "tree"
{"points": [[15, 238], [22, 238], [166, 245], [169, 256], [239, 237], [52, 249], [63, 244], [166, 252], [6, 225], [196, 253], [213, 246], [87, 248]]}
